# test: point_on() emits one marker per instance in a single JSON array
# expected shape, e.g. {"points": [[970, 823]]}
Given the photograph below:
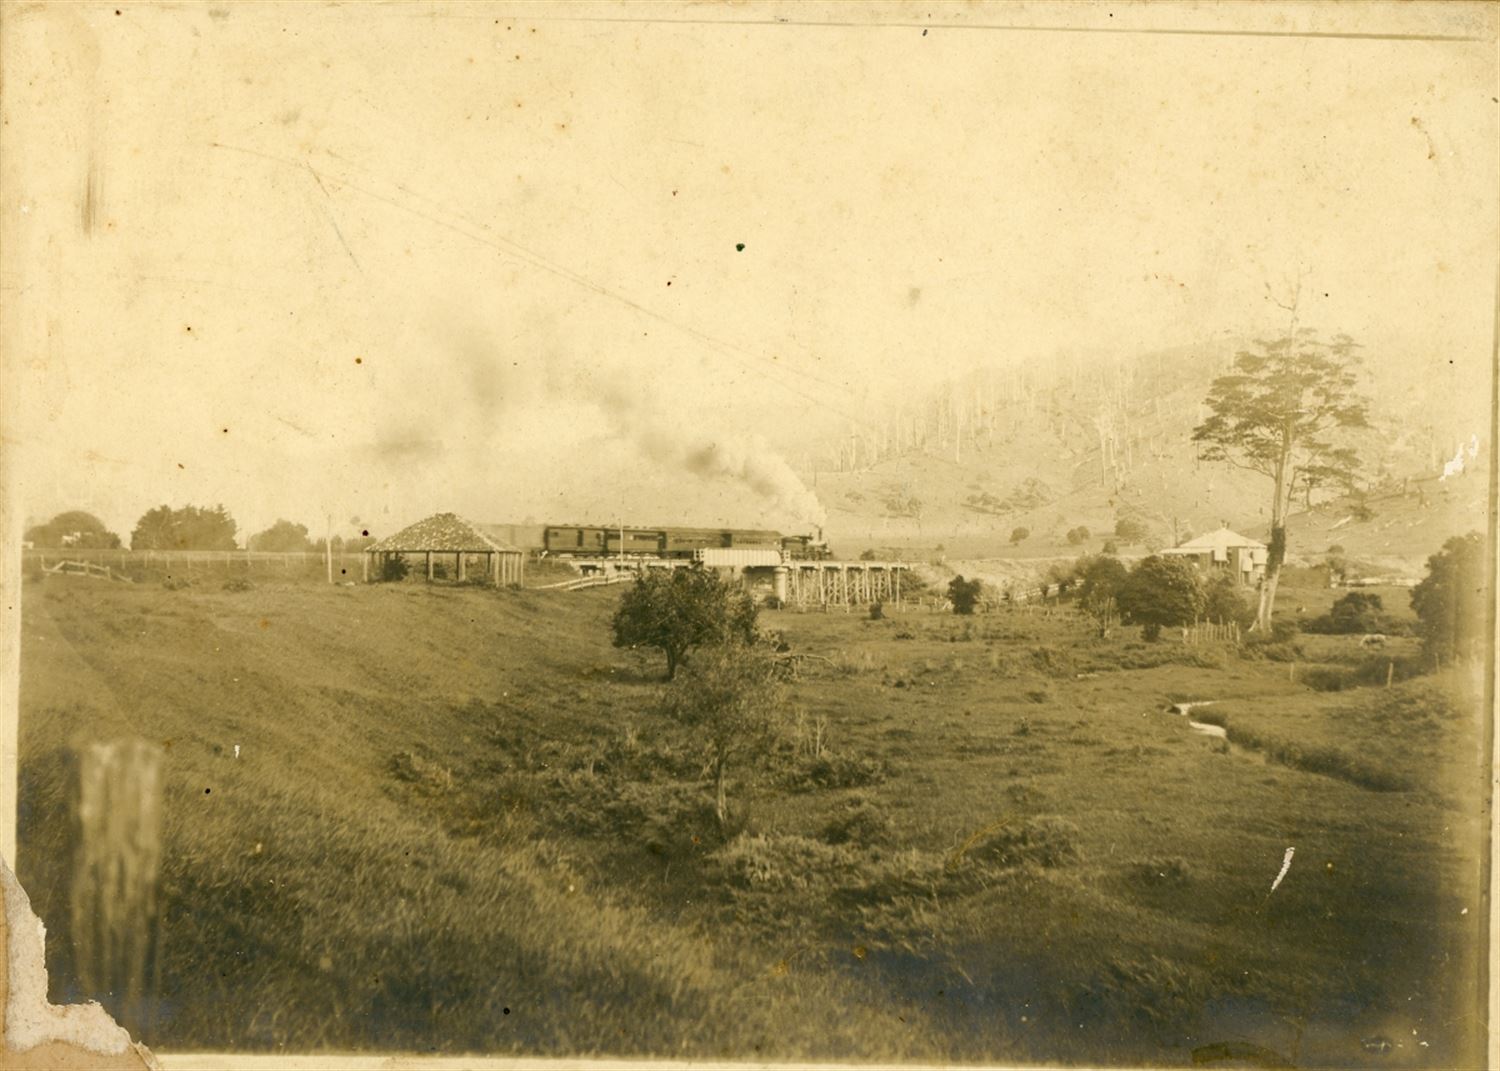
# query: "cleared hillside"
{"points": [[1077, 445]]}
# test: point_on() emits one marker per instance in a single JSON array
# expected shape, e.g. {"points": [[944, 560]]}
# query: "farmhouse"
{"points": [[448, 533], [1222, 549]]}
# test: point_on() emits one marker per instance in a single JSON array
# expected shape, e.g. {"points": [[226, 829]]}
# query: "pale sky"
{"points": [[382, 261]]}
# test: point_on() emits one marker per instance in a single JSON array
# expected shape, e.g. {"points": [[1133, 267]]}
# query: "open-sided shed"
{"points": [[448, 533]]}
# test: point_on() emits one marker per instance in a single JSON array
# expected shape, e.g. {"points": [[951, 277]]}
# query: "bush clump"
{"points": [[781, 863], [1046, 840], [394, 567], [237, 584], [964, 594], [830, 770], [862, 823], [1168, 872], [1356, 613]]}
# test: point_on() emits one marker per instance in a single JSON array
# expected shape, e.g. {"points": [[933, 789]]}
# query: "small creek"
{"points": [[1186, 709]]}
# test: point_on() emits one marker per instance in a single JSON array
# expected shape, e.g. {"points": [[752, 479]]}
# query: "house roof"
{"points": [[446, 532], [1219, 540]]}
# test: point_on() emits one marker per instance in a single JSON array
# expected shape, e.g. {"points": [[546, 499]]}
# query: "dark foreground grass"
{"points": [[457, 824]]}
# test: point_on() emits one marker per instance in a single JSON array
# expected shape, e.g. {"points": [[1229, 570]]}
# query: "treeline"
{"points": [[1160, 592], [184, 528]]}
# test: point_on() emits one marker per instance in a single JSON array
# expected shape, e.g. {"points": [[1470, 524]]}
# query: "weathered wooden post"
{"points": [[115, 912]]}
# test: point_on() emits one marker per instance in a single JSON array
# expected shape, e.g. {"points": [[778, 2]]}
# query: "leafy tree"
{"points": [[283, 536], [1279, 414], [1078, 535], [1224, 601], [73, 528], [964, 594], [729, 699], [1100, 580], [1450, 600], [188, 528], [678, 610], [1132, 530], [1019, 535], [1356, 612], [1160, 592]]}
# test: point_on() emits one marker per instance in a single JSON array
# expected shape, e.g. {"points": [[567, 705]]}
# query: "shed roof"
{"points": [[1220, 539], [446, 532]]}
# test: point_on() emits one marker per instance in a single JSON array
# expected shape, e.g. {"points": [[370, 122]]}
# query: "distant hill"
{"points": [[1083, 445]]}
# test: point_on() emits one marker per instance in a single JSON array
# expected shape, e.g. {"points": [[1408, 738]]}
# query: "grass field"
{"points": [[455, 822]]}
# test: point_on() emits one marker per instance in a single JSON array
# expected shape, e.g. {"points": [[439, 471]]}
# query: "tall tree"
{"points": [[188, 528], [74, 528], [1450, 600], [282, 536], [1280, 413]]}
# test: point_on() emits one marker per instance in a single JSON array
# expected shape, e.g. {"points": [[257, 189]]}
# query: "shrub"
{"points": [[1043, 841], [1019, 535], [424, 774], [1111, 547], [176, 583], [1328, 678], [1356, 613], [669, 820], [964, 594], [1283, 630], [782, 863], [1259, 645], [862, 823], [394, 567], [729, 702], [877, 611], [237, 584], [830, 770], [1168, 872], [1078, 535]]}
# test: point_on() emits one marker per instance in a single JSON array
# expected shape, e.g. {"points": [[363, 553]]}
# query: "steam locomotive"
{"points": [[590, 541]]}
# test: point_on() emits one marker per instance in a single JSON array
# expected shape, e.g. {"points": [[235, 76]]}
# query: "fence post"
{"points": [[115, 913]]}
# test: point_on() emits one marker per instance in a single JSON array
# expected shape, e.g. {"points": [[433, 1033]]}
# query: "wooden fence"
{"points": [[203, 564], [1209, 632]]}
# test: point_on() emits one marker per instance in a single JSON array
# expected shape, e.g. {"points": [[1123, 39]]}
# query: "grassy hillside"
{"points": [[456, 820]]}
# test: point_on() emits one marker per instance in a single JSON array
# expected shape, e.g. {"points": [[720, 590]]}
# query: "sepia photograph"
{"points": [[751, 533]]}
